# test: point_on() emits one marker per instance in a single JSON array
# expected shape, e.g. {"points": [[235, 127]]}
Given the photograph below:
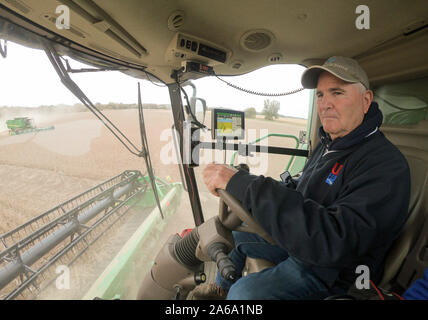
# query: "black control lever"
{"points": [[242, 166], [218, 253]]}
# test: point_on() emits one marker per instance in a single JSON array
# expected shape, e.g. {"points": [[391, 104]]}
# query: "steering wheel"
{"points": [[232, 214]]}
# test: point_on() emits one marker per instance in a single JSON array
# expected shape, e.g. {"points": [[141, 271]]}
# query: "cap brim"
{"points": [[310, 76]]}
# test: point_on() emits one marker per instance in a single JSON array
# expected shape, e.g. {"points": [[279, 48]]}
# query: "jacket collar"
{"points": [[371, 122]]}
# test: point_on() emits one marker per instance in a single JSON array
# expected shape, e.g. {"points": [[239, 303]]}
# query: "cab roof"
{"points": [[237, 36]]}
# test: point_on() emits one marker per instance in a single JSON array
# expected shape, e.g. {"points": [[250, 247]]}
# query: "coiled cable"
{"points": [[259, 93]]}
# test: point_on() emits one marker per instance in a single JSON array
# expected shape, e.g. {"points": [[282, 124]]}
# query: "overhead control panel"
{"points": [[184, 47]]}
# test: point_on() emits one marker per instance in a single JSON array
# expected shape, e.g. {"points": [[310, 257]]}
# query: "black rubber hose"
{"points": [[184, 249]]}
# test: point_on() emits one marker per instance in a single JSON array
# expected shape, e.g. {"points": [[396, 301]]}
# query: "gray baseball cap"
{"points": [[344, 68]]}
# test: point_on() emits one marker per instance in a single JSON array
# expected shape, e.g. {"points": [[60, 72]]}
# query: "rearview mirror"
{"points": [[198, 107]]}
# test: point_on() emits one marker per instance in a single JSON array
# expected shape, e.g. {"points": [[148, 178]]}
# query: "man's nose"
{"points": [[324, 103]]}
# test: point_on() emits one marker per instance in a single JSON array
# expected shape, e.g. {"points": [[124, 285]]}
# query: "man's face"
{"points": [[341, 105]]}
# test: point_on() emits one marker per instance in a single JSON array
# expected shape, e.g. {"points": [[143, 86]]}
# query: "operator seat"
{"points": [[416, 154]]}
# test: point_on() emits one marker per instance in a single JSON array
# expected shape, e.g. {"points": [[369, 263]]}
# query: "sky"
{"points": [[28, 79]]}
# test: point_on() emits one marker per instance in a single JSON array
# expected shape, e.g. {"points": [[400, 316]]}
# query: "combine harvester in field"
{"points": [[23, 125]]}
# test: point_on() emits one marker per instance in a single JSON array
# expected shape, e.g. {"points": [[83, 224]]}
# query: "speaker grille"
{"points": [[256, 40], [176, 20]]}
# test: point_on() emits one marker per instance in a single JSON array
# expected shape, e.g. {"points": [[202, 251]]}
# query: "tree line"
{"points": [[78, 107], [270, 110]]}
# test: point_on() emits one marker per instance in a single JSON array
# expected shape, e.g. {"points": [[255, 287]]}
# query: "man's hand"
{"points": [[216, 176]]}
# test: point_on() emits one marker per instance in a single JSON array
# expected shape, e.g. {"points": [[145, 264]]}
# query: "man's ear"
{"points": [[367, 100]]}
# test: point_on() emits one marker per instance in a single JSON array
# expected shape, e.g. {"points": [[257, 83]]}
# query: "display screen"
{"points": [[228, 124]]}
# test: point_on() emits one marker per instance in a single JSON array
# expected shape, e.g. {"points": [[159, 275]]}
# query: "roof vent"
{"points": [[176, 20], [237, 64], [257, 40]]}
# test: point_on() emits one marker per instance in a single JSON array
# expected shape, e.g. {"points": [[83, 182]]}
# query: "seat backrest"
{"points": [[413, 143], [416, 261]]}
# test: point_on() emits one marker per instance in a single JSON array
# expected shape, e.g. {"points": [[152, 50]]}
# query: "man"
{"points": [[345, 210]]}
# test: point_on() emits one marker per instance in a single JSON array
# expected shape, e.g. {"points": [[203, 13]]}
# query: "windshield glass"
{"points": [[74, 150], [58, 161], [276, 121]]}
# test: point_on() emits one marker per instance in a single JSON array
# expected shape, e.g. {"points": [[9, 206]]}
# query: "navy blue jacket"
{"points": [[346, 208]]}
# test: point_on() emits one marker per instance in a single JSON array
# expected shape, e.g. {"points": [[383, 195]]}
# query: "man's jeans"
{"points": [[288, 280]]}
